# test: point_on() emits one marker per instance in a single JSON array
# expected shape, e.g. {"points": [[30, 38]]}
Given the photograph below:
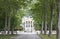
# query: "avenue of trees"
{"points": [[10, 14], [46, 14]]}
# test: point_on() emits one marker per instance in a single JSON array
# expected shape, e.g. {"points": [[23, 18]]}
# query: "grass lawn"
{"points": [[6, 36], [47, 37]]}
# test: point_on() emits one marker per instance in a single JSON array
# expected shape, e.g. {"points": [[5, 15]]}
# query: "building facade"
{"points": [[27, 24]]}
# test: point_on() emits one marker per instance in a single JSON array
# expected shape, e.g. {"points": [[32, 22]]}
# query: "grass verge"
{"points": [[6, 36], [47, 37]]}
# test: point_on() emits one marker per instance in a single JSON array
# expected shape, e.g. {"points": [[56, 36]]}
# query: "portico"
{"points": [[27, 24]]}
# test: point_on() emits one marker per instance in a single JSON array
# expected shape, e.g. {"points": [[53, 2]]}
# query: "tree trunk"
{"points": [[9, 24], [14, 12], [44, 25], [50, 22], [58, 19], [58, 28], [44, 17], [44, 22], [5, 23], [5, 28], [42, 28], [12, 30], [45, 28], [50, 29]]}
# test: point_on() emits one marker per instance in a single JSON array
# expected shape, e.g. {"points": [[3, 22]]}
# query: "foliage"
{"points": [[11, 9], [41, 9]]}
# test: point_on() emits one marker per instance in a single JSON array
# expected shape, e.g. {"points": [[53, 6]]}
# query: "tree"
{"points": [[7, 8], [58, 19], [50, 22]]}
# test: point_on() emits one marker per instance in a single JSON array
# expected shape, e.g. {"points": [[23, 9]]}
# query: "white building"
{"points": [[27, 24]]}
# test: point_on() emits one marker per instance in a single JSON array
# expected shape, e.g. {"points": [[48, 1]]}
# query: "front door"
{"points": [[28, 28]]}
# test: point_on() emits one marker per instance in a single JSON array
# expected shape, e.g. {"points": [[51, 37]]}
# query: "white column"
{"points": [[30, 24], [33, 26], [25, 25]]}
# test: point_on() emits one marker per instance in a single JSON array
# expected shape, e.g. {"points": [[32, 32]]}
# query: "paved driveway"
{"points": [[26, 36]]}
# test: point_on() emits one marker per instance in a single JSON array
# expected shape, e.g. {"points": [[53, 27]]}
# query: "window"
{"points": [[31, 25], [26, 21], [27, 25], [31, 22]]}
